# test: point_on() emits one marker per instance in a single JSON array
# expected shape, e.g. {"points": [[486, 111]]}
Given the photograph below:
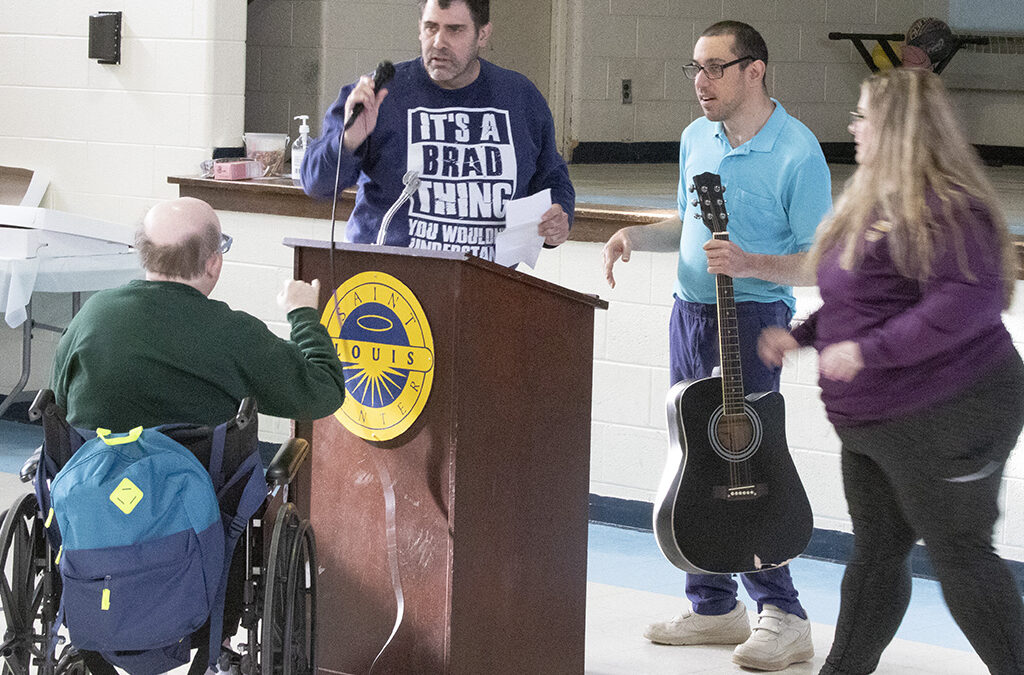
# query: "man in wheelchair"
{"points": [[161, 352]]}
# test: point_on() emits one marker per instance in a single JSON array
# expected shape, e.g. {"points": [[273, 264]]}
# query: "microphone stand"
{"points": [[411, 180]]}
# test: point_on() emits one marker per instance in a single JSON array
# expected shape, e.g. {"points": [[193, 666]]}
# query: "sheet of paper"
{"points": [[519, 241]]}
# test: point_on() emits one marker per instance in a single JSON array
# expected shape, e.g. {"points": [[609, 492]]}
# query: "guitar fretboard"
{"points": [[729, 343]]}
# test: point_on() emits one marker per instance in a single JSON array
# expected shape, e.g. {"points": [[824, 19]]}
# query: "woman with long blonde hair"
{"points": [[918, 374]]}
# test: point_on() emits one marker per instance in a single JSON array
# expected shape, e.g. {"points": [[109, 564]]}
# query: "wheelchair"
{"points": [[275, 575]]}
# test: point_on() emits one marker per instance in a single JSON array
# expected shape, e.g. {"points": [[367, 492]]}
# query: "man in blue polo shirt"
{"points": [[778, 189]]}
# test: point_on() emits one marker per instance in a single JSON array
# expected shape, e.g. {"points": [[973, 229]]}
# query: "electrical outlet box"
{"points": [[627, 91]]}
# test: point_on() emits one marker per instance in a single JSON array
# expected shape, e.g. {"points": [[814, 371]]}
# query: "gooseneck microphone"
{"points": [[381, 76], [411, 181]]}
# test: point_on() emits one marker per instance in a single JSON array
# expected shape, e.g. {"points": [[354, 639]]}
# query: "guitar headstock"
{"points": [[710, 197]]}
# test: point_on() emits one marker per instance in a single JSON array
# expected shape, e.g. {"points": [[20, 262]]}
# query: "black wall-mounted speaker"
{"points": [[105, 37]]}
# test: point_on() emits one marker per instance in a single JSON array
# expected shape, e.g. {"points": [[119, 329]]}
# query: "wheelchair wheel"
{"points": [[288, 635], [28, 589], [71, 663]]}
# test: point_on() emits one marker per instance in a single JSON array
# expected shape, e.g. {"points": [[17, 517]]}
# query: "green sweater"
{"points": [[154, 352]]}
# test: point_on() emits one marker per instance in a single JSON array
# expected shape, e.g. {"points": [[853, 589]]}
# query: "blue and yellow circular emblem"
{"points": [[383, 339]]}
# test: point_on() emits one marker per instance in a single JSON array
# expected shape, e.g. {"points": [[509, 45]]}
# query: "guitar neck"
{"points": [[729, 342]]}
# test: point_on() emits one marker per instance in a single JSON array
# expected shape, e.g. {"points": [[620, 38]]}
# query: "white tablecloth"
{"points": [[62, 262]]}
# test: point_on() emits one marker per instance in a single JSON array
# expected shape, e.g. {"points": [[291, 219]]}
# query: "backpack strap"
{"points": [[45, 471], [216, 467], [57, 623]]}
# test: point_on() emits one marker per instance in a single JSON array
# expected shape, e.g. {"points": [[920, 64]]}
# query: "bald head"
{"points": [[172, 222], [177, 241]]}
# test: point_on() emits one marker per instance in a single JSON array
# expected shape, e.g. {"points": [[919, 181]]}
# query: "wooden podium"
{"points": [[490, 482]]}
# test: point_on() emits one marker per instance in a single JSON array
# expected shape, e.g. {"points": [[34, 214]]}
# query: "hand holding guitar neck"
{"points": [[724, 257]]}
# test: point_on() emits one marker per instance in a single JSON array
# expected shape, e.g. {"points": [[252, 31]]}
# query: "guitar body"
{"points": [[722, 509]]}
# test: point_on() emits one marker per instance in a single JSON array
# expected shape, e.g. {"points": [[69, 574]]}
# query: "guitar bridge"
{"points": [[740, 492]]}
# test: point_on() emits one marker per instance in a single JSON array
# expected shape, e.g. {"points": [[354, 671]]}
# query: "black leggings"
{"points": [[933, 475]]}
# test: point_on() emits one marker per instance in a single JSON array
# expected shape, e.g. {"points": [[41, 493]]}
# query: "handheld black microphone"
{"points": [[381, 76], [384, 72]]}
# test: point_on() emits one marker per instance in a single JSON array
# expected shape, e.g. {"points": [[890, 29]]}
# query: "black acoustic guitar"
{"points": [[730, 498]]}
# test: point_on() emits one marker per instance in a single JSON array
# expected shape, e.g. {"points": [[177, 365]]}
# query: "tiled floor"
{"points": [[630, 584], [616, 615]]}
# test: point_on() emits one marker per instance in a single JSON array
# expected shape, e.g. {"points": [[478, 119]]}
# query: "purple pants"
{"points": [[693, 354]]}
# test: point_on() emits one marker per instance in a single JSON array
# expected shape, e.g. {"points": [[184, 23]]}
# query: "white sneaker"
{"points": [[690, 628], [778, 640]]}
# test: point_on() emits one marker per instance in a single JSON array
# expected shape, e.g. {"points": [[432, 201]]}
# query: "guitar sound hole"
{"points": [[735, 432]]}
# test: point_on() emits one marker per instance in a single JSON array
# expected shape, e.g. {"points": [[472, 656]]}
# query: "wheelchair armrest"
{"points": [[28, 469], [287, 461]]}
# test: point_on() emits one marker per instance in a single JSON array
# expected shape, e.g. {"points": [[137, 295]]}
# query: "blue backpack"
{"points": [[143, 554]]}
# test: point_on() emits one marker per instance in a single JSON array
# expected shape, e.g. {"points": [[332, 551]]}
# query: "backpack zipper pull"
{"points": [[105, 601]]}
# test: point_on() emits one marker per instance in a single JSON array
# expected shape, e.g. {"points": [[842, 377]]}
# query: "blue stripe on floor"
{"points": [[17, 441], [631, 559]]}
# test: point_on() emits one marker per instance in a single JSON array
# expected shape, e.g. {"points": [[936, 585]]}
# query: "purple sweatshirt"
{"points": [[921, 343]]}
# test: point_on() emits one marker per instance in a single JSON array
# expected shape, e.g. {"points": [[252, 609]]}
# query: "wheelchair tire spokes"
{"points": [[287, 635], [299, 636], [275, 589], [24, 558]]}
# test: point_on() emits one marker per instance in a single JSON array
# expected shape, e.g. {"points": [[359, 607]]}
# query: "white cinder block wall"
{"points": [[111, 134]]}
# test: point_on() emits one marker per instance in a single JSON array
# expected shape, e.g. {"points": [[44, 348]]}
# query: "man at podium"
{"points": [[454, 134]]}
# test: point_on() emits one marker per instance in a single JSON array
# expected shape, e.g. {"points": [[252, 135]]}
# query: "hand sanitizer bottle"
{"points": [[299, 146]]}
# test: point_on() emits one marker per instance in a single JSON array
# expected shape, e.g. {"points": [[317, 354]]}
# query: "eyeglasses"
{"points": [[856, 116], [714, 71], [225, 243]]}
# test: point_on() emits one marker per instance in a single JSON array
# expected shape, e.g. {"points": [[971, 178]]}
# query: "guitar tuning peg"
{"points": [[695, 202], [692, 188], [696, 216], [723, 188]]}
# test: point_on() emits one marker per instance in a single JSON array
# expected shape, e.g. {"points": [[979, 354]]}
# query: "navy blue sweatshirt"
{"points": [[474, 149]]}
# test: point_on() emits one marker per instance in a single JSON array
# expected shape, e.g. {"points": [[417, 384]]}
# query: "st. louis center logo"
{"points": [[383, 339]]}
